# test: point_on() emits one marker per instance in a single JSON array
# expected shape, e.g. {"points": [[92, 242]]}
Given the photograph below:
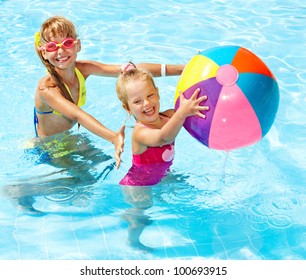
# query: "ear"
{"points": [[126, 108], [157, 92], [79, 46], [43, 54]]}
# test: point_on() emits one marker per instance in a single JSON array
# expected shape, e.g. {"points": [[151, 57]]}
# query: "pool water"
{"points": [[63, 200]]}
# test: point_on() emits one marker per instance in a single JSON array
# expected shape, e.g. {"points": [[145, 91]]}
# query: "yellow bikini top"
{"points": [[82, 90]]}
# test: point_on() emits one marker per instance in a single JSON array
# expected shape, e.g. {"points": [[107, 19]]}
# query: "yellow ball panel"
{"points": [[198, 69]]}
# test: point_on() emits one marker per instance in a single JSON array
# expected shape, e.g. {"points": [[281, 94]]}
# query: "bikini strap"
{"points": [[41, 112]]}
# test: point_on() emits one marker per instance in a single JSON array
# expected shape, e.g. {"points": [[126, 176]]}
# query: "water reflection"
{"points": [[143, 198], [75, 160], [140, 199]]}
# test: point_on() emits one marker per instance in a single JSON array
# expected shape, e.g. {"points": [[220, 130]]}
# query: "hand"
{"points": [[192, 106], [118, 142], [127, 67]]}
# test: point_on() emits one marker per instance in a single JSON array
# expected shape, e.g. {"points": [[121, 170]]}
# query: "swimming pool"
{"points": [[247, 204]]}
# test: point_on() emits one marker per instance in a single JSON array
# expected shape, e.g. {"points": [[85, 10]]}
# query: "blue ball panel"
{"points": [[221, 55], [263, 94]]}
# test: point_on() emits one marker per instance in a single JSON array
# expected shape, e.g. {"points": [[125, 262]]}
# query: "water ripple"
{"points": [[60, 194]]}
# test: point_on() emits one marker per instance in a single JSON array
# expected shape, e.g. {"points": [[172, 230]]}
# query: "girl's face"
{"points": [[62, 58], [143, 101]]}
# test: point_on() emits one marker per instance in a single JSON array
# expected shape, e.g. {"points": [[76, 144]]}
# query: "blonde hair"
{"points": [[131, 75], [53, 27]]}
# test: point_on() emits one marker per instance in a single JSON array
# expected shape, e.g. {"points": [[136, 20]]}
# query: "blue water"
{"points": [[247, 204]]}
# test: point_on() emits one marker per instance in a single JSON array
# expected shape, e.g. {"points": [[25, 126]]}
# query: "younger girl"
{"points": [[154, 132], [61, 93]]}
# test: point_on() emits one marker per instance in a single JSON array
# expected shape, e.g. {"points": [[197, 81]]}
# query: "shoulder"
{"points": [[137, 136], [139, 131], [168, 113], [47, 88], [45, 83]]}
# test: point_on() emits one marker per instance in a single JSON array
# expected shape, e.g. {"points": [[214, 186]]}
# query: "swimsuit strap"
{"points": [[35, 122], [82, 90], [42, 113]]}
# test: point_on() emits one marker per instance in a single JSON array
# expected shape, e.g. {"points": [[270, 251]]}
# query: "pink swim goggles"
{"points": [[67, 43]]}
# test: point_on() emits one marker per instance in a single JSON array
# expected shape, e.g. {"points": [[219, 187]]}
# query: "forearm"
{"points": [[188, 107], [113, 70], [159, 70], [171, 129], [93, 125]]}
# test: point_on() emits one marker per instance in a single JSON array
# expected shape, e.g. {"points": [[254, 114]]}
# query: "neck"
{"points": [[68, 75]]}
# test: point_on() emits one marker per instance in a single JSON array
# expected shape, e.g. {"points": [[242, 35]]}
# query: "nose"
{"points": [[59, 45], [60, 48], [146, 102]]}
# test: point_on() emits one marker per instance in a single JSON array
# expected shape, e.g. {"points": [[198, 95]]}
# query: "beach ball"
{"points": [[243, 97]]}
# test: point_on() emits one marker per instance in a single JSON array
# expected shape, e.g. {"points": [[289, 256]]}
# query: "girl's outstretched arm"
{"points": [[88, 67], [75, 114]]}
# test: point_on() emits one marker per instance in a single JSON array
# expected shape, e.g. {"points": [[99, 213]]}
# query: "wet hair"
{"points": [[53, 27], [128, 76]]}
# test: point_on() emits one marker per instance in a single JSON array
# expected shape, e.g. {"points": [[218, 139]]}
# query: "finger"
{"points": [[203, 116], [195, 94], [118, 160], [202, 98], [122, 131], [118, 164], [119, 151], [203, 108], [182, 97], [122, 128]]}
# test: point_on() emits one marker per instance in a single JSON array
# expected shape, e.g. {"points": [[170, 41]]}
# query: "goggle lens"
{"points": [[67, 44]]}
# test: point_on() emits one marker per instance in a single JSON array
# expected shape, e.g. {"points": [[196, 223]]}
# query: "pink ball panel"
{"points": [[230, 129]]}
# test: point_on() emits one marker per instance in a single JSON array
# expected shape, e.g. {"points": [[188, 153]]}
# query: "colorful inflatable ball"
{"points": [[243, 97]]}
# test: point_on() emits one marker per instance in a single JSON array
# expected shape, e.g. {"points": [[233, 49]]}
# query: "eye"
{"points": [[137, 101], [68, 43], [51, 46]]}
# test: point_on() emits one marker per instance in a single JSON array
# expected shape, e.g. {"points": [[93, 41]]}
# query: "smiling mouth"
{"points": [[149, 112], [62, 59]]}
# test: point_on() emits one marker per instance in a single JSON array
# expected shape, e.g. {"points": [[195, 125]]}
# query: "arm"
{"points": [[157, 137], [88, 67], [156, 69], [74, 113]]}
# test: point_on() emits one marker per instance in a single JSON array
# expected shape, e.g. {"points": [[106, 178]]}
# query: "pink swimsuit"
{"points": [[149, 167], [152, 155]]}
